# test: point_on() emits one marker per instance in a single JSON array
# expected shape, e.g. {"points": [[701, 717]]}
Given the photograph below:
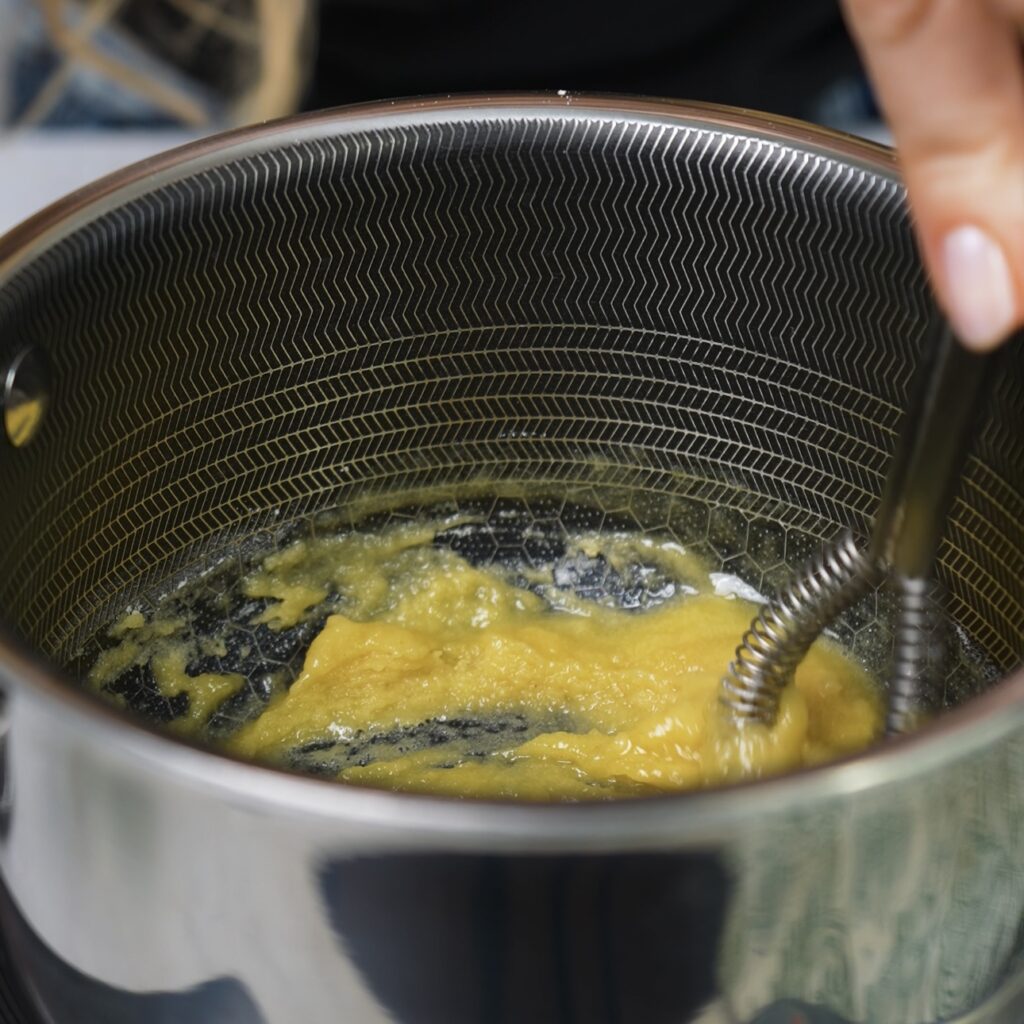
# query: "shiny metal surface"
{"points": [[788, 623], [923, 477], [26, 396], [725, 306], [928, 462]]}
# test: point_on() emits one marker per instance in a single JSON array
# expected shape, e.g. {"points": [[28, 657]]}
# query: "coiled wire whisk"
{"points": [[785, 628], [916, 652], [904, 541]]}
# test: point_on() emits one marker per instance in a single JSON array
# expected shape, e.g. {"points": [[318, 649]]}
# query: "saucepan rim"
{"points": [[689, 818]]}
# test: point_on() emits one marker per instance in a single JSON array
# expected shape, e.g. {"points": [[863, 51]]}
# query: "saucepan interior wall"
{"points": [[721, 328]]}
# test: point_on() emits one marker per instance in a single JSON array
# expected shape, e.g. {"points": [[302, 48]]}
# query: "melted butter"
{"points": [[616, 703]]}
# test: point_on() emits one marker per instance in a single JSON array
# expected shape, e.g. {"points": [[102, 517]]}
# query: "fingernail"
{"points": [[979, 288]]}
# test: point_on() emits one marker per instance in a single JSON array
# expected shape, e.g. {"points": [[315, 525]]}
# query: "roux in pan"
{"points": [[440, 676]]}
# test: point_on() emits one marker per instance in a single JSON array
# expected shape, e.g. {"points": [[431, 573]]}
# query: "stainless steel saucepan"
{"points": [[721, 309]]}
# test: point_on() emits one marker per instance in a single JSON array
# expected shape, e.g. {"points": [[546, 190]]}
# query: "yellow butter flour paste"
{"points": [[434, 675]]}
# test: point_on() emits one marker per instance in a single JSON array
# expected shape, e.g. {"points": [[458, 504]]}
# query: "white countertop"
{"points": [[38, 167]]}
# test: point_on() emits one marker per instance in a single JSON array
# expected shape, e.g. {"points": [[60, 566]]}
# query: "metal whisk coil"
{"points": [[917, 631], [789, 623], [919, 489]]}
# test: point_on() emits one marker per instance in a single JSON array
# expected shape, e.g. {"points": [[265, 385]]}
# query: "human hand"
{"points": [[950, 79]]}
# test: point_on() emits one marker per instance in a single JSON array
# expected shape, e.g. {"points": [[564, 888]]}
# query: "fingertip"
{"points": [[950, 76], [977, 287]]}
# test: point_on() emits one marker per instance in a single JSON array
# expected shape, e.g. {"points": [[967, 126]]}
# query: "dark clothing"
{"points": [[776, 55]]}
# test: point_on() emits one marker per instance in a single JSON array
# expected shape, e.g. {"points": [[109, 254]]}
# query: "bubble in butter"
{"points": [[443, 677]]}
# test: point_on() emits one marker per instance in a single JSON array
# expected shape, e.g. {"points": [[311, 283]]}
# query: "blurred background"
{"points": [[87, 86]]}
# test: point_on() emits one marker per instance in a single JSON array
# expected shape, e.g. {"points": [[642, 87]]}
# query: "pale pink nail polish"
{"points": [[979, 287]]}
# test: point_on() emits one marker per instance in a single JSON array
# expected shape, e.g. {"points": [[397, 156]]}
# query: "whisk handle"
{"points": [[925, 472]]}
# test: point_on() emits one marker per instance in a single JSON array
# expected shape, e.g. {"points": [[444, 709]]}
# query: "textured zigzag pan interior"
{"points": [[356, 312], [524, 321]]}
